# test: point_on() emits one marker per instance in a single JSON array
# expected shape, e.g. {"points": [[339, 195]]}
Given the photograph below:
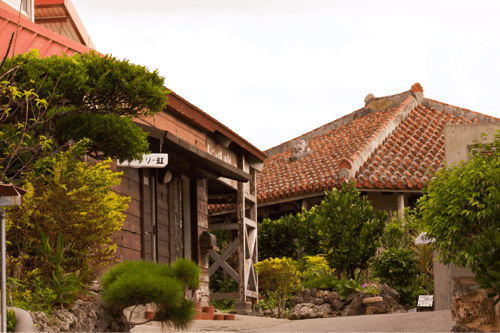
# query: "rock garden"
{"points": [[314, 303]]}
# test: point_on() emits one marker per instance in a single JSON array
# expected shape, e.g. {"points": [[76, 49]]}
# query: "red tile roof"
{"points": [[389, 144]]}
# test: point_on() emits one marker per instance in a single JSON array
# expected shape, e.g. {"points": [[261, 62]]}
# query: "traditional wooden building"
{"points": [[204, 162], [168, 212]]}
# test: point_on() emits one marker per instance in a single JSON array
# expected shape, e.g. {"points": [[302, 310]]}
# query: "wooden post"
{"points": [[241, 304], [245, 243]]}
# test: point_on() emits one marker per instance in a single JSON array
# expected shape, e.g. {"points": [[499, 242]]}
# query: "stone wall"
{"points": [[471, 309]]}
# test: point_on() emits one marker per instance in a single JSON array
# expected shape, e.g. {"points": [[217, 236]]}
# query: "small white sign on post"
{"points": [[11, 201], [148, 161], [425, 300], [422, 239]]}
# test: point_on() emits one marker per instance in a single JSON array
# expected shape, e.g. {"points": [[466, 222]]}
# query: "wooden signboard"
{"points": [[148, 161]]}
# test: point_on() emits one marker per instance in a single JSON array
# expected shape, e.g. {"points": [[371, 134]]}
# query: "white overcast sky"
{"points": [[272, 70]]}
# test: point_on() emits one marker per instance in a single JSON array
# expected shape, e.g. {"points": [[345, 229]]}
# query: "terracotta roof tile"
{"points": [[401, 159]]}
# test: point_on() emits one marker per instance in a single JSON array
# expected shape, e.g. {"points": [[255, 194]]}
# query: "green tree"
{"points": [[133, 283], [460, 206], [73, 197], [348, 229], [289, 236], [46, 102]]}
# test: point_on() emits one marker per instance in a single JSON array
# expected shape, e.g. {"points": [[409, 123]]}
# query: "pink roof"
{"points": [[33, 36]]}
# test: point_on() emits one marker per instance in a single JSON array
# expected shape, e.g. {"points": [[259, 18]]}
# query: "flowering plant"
{"points": [[370, 288]]}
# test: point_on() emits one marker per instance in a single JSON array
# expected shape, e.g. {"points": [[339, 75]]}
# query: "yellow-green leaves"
{"points": [[73, 197]]}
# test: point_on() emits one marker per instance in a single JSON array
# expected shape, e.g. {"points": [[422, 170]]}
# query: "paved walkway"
{"points": [[437, 321]]}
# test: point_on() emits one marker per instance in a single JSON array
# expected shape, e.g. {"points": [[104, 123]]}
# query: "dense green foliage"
{"points": [[73, 198], [460, 203], [11, 320], [278, 279], [47, 101], [401, 230], [397, 267], [109, 135], [141, 282], [348, 229], [275, 238], [400, 233], [90, 82], [461, 209], [314, 266], [66, 285], [485, 250], [34, 294]]}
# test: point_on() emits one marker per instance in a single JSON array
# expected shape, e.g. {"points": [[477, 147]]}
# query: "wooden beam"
{"points": [[223, 195], [223, 226], [55, 19], [221, 263], [223, 295], [250, 223], [233, 247]]}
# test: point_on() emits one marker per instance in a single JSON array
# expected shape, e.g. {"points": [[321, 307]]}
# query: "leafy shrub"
{"points": [[35, 295], [11, 320], [65, 285], [275, 238], [347, 286], [322, 281], [486, 251], [278, 278], [461, 201], [398, 269], [314, 266], [401, 230], [461, 209], [141, 282], [348, 229], [74, 198]]}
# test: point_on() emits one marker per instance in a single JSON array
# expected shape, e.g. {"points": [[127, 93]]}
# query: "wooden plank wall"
{"points": [[129, 238]]}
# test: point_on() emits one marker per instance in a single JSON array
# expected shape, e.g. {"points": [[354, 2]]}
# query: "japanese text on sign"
{"points": [[148, 161]]}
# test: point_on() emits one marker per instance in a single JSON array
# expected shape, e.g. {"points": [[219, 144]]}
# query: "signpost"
{"points": [[10, 195], [422, 239], [425, 301], [148, 161]]}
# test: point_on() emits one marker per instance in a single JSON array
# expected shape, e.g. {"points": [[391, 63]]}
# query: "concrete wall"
{"points": [[443, 275], [458, 138]]}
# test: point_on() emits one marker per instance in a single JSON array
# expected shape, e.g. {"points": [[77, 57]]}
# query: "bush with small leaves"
{"points": [[132, 283], [398, 268], [278, 278]]}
